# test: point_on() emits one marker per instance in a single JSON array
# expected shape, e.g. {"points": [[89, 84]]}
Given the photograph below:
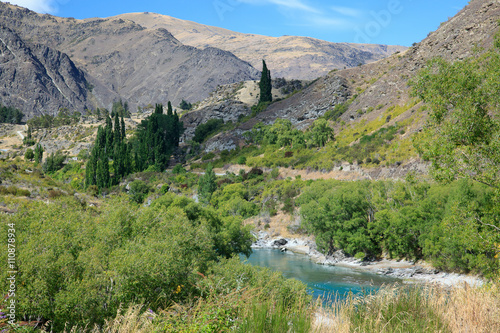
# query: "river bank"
{"points": [[409, 272]]}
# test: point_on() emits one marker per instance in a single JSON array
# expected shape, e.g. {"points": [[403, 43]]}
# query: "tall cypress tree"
{"points": [[117, 133], [108, 145], [156, 139], [123, 135], [169, 109], [265, 85]]}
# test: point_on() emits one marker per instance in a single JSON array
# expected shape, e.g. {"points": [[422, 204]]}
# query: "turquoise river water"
{"points": [[325, 281]]}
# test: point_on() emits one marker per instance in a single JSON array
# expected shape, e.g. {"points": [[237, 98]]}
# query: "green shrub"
{"points": [[178, 169], [54, 162], [138, 190], [29, 154], [208, 156], [98, 259], [242, 160], [164, 188], [203, 131]]}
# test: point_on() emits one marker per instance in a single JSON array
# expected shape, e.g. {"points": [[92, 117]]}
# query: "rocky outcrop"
{"points": [[38, 79], [310, 104], [229, 111], [470, 31]]}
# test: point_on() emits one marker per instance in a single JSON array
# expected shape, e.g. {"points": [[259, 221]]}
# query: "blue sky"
{"points": [[395, 22]]}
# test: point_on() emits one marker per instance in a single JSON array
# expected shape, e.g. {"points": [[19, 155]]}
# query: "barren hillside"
{"points": [[291, 57]]}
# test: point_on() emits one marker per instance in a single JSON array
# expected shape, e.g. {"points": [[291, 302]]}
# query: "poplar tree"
{"points": [[38, 153]]}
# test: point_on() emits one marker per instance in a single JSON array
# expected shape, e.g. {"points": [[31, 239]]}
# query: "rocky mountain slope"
{"points": [[129, 61], [379, 91], [38, 79], [290, 57]]}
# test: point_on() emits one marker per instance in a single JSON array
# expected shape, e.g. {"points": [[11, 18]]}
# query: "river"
{"points": [[325, 281]]}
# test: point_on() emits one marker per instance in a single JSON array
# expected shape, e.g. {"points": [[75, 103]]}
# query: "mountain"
{"points": [[290, 57], [125, 60], [38, 79]]}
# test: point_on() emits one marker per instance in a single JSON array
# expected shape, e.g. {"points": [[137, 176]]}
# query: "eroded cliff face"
{"points": [[38, 79]]}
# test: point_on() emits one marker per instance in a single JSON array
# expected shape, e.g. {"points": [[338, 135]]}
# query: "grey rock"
{"points": [[280, 242]]}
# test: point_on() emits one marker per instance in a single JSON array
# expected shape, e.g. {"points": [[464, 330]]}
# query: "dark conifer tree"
{"points": [[265, 85], [156, 139], [108, 148], [169, 109], [117, 132], [123, 135]]}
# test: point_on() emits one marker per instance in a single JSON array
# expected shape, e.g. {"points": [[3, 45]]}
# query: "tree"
{"points": [[156, 139], [10, 115], [462, 139], [38, 153], [339, 218], [54, 162], [169, 109], [207, 185], [29, 155], [320, 133], [28, 140], [284, 134], [185, 105], [204, 130], [265, 85]]}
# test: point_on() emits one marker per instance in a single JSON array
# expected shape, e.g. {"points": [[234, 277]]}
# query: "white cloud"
{"points": [[289, 4], [325, 22], [39, 6], [328, 22], [346, 11]]}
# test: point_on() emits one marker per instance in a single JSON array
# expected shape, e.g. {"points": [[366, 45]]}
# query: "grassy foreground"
{"points": [[392, 309]]}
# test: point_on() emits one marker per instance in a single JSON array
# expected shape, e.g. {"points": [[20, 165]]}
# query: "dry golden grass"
{"points": [[431, 309], [134, 320], [469, 309]]}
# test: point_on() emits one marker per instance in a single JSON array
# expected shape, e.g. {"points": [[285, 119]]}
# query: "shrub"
{"points": [[83, 155], [54, 162], [275, 173], [242, 160], [164, 188], [204, 130], [29, 155], [178, 169], [208, 156], [55, 194], [138, 190], [253, 173]]}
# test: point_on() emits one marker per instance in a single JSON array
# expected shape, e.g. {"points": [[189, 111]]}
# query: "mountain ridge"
{"points": [[291, 57]]}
